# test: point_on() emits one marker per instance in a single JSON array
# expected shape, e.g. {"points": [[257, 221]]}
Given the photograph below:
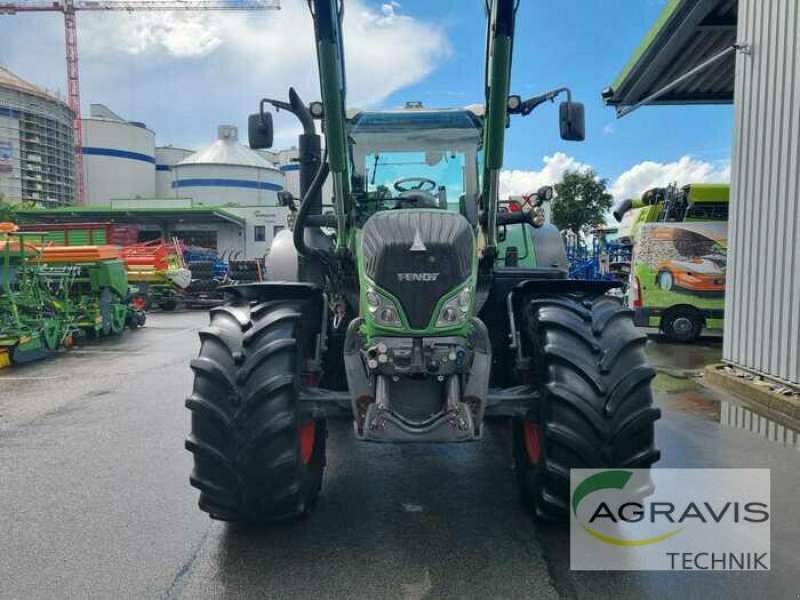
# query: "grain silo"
{"points": [[37, 151], [227, 173], [166, 159], [118, 157]]}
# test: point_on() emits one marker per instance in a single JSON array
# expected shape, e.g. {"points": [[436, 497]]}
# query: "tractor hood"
{"points": [[418, 256]]}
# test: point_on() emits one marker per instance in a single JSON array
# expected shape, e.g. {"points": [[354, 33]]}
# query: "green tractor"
{"points": [[412, 310]]}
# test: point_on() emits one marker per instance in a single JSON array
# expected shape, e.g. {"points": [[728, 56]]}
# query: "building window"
{"points": [[276, 229], [260, 233]]}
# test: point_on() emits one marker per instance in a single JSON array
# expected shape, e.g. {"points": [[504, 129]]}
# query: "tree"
{"points": [[6, 210], [581, 202]]}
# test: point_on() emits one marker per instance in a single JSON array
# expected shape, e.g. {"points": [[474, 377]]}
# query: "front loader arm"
{"points": [[330, 60], [499, 47]]}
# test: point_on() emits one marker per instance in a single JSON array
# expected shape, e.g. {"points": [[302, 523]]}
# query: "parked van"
{"points": [[678, 278]]}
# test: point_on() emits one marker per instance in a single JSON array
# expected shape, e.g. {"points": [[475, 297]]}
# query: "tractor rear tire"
{"points": [[596, 407], [256, 458]]}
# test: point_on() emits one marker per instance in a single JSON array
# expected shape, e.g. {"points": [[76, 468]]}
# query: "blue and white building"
{"points": [[227, 170], [118, 157]]}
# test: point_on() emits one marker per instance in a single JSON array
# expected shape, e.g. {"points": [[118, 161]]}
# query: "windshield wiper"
{"points": [[374, 169]]}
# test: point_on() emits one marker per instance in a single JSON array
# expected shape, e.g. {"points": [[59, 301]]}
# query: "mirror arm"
{"points": [[528, 105], [294, 106]]}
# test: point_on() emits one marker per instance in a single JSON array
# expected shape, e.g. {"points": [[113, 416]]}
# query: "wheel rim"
{"points": [[682, 326], [307, 434], [138, 303], [532, 436]]}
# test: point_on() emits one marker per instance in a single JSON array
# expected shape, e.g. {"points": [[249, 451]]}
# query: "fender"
{"points": [[273, 290], [537, 287]]}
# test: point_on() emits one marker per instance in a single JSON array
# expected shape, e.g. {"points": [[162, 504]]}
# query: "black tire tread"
{"points": [[245, 420], [596, 407]]}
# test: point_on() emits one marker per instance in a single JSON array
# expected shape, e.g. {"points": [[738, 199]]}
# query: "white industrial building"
{"points": [[37, 148], [118, 157], [223, 196], [166, 158], [228, 170]]}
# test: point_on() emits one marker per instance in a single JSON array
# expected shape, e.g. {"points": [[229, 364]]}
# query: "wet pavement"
{"points": [[96, 503]]}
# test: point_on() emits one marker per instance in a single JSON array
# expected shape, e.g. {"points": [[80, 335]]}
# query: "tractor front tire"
{"points": [[256, 458], [595, 405]]}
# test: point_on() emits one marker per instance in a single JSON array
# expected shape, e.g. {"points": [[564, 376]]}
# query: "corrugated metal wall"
{"points": [[762, 305]]}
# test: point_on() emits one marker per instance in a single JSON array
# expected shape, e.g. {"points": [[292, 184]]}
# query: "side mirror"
{"points": [[259, 130], [544, 194], [572, 121]]}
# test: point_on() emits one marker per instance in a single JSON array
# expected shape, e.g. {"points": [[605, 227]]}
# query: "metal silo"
{"points": [[166, 159], [37, 151], [227, 173], [118, 157]]}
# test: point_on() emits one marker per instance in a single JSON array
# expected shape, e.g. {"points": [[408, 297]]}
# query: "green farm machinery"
{"points": [[413, 310], [50, 294]]}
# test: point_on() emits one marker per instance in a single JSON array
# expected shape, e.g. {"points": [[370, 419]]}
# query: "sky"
{"points": [[185, 73]]}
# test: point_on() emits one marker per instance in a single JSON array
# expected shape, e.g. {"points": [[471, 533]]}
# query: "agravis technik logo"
{"points": [[670, 519]]}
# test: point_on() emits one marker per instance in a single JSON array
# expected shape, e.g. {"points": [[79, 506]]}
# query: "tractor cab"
{"points": [[415, 158]]}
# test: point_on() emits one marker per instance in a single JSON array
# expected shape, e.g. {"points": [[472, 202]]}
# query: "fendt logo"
{"points": [[417, 276]]}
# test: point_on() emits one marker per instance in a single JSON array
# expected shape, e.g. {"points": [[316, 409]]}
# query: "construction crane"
{"points": [[69, 7]]}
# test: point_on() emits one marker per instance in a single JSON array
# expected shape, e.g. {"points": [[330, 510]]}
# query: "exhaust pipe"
{"points": [[621, 208]]}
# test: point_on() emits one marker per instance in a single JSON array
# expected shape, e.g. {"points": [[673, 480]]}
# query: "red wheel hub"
{"points": [[138, 303], [532, 435], [308, 433]]}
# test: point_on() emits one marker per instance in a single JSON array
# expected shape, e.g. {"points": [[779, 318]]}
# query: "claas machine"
{"points": [[405, 312]]}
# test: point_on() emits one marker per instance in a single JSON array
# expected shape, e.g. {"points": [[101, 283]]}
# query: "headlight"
{"points": [[455, 310], [382, 309]]}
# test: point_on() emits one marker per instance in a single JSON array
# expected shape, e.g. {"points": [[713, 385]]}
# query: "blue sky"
{"points": [[183, 74], [582, 44]]}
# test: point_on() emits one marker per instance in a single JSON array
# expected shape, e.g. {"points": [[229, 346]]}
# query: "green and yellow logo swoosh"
{"points": [[611, 480]]}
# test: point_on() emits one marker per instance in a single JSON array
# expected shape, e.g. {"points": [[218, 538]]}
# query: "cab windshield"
{"points": [[434, 172], [414, 159]]}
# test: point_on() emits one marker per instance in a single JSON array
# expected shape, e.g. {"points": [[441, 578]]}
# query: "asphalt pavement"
{"points": [[95, 500]]}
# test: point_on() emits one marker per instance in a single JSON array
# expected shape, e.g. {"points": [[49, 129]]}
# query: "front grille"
{"points": [[418, 278]]}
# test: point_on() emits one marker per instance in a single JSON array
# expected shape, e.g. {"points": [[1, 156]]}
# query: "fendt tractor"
{"points": [[404, 310]]}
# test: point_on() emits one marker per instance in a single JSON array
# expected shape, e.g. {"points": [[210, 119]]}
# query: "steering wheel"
{"points": [[424, 184]]}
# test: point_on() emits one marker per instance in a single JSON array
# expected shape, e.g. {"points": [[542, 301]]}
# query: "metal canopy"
{"points": [[146, 216], [687, 35]]}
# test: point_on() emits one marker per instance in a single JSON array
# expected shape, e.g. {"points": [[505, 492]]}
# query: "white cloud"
{"points": [[384, 49], [185, 72], [629, 184], [648, 174], [516, 182]]}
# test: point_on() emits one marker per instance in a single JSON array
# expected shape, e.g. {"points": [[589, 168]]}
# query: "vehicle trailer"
{"points": [[404, 316], [678, 278]]}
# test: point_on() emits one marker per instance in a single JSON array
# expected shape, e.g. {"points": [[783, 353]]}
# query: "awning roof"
{"points": [[140, 216], [686, 34]]}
